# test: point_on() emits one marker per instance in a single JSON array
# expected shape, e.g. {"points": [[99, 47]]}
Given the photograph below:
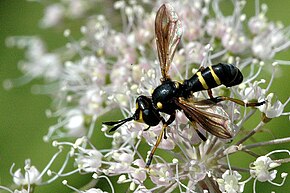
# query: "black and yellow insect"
{"points": [[171, 95]]}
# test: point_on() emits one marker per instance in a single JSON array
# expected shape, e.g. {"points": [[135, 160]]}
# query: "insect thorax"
{"points": [[163, 96]]}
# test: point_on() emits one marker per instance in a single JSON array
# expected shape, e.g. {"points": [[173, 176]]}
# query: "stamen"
{"points": [[59, 172], [286, 102], [257, 7], [64, 182], [11, 83], [254, 185], [109, 181], [283, 62], [255, 76], [49, 163], [283, 176], [73, 44], [92, 126], [272, 78], [5, 188], [278, 151]]}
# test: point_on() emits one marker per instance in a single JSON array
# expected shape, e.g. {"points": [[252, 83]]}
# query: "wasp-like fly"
{"points": [[172, 95]]}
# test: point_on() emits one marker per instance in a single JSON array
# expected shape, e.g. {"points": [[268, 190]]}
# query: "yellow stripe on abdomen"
{"points": [[216, 78], [201, 80]]}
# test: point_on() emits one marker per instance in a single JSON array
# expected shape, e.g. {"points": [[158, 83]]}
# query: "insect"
{"points": [[171, 95]]}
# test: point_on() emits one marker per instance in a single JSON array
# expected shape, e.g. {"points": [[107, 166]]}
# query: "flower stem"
{"points": [[255, 130], [272, 142], [282, 161]]}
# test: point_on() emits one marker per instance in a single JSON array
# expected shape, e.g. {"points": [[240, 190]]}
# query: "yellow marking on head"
{"points": [[137, 106], [159, 105], [216, 78], [151, 90], [176, 84], [140, 118], [201, 80]]}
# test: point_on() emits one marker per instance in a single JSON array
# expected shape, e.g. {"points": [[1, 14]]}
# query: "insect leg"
{"points": [[155, 147], [168, 122], [200, 135], [237, 101], [163, 133], [201, 68], [209, 92], [147, 128]]}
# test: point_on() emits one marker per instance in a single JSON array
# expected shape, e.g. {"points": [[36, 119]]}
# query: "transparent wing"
{"points": [[209, 116], [168, 31]]}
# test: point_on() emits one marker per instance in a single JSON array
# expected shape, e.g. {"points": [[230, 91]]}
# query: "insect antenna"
{"points": [[117, 124]]}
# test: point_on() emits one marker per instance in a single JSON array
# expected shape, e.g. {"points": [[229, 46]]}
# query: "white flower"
{"points": [[119, 4], [152, 135], [123, 157], [90, 160], [230, 182], [253, 91], [218, 27], [261, 47], [94, 68], [53, 15], [77, 8], [260, 169], [139, 173], [94, 190], [272, 109], [31, 176], [92, 101], [267, 43], [161, 174], [235, 42], [39, 62], [122, 164], [142, 189], [75, 123], [257, 23], [197, 171]]}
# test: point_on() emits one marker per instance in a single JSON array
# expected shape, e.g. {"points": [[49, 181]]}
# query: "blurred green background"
{"points": [[22, 114]]}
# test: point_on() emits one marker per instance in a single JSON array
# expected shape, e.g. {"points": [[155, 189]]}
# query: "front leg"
{"points": [[162, 133], [168, 122]]}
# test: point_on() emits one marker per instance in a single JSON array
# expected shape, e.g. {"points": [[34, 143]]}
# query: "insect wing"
{"points": [[168, 30], [209, 116]]}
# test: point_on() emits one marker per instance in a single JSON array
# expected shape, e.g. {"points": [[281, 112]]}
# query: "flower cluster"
{"points": [[109, 67]]}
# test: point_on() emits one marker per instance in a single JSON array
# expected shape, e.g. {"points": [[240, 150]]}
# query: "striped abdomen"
{"points": [[213, 76]]}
